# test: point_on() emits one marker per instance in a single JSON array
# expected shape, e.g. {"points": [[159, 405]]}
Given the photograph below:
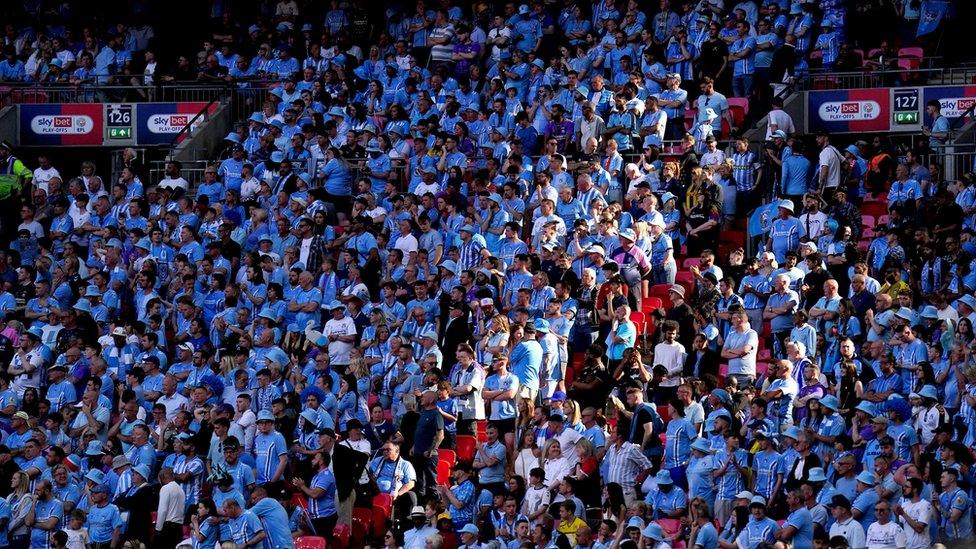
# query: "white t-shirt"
{"points": [[852, 531], [830, 157], [304, 249], [813, 224], [248, 422], [406, 244], [919, 512], [339, 350], [782, 120], [42, 177], [671, 356], [885, 536]]}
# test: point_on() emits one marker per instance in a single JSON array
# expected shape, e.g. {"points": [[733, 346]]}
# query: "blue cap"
{"points": [[449, 265], [92, 291], [114, 243], [253, 29], [929, 391], [541, 325], [830, 402], [817, 475], [94, 448], [144, 244], [663, 477], [232, 137], [722, 395], [792, 432], [256, 117], [557, 396], [757, 500], [635, 522], [701, 445], [265, 415], [83, 305], [277, 92], [142, 470], [95, 475], [469, 228], [310, 416], [277, 157], [336, 111], [930, 313], [277, 124], [307, 27], [305, 176], [373, 146], [469, 529], [653, 531], [538, 63], [867, 408], [336, 304], [36, 332], [667, 196], [867, 478]]}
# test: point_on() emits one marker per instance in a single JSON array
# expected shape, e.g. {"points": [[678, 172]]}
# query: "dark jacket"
{"points": [[707, 365]]}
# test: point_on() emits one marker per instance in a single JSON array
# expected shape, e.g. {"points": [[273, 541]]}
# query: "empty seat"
{"points": [[310, 542]]}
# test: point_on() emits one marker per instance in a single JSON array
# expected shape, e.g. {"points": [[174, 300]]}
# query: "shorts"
{"points": [[504, 426], [528, 393]]}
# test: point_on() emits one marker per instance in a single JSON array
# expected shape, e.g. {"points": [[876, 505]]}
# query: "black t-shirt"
{"points": [[428, 424]]}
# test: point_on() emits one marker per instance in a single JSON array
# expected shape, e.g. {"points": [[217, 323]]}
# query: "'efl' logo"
{"points": [[849, 111], [75, 124]]}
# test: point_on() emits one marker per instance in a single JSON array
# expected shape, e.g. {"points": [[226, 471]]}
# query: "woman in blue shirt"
{"points": [[337, 178], [700, 469], [205, 534]]}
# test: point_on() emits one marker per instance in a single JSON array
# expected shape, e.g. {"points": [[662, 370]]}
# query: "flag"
{"points": [[930, 15], [762, 218]]}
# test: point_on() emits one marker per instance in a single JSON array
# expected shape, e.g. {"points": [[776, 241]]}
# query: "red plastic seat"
{"points": [[310, 542], [761, 368], [382, 510], [733, 237], [662, 292], [637, 318], [687, 281], [670, 526], [341, 535], [742, 102], [690, 261], [911, 52], [868, 221], [466, 448], [443, 472], [649, 304], [362, 522], [664, 413], [738, 114], [449, 456]]}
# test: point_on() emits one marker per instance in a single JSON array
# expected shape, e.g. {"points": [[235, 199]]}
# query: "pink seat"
{"points": [[911, 52]]}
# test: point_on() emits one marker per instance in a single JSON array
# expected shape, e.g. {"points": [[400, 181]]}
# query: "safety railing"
{"points": [[818, 79]]}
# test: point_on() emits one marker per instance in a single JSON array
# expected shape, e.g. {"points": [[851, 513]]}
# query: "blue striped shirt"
{"points": [[267, 449], [324, 505]]}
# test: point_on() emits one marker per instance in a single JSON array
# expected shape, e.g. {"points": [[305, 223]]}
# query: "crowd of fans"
{"points": [[448, 287]]}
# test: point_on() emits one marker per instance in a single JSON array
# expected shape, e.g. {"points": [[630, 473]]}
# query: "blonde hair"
{"points": [[23, 484]]}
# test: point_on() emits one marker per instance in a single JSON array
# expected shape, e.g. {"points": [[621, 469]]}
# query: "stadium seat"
{"points": [[299, 500], [341, 535], [637, 318], [739, 102], [310, 542], [687, 281], [671, 526], [664, 413], [868, 221], [362, 522], [915, 52], [910, 66], [449, 456], [872, 53], [466, 448], [733, 237], [761, 368], [443, 472], [765, 355], [689, 262], [875, 210], [662, 292], [649, 304], [382, 510]]}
